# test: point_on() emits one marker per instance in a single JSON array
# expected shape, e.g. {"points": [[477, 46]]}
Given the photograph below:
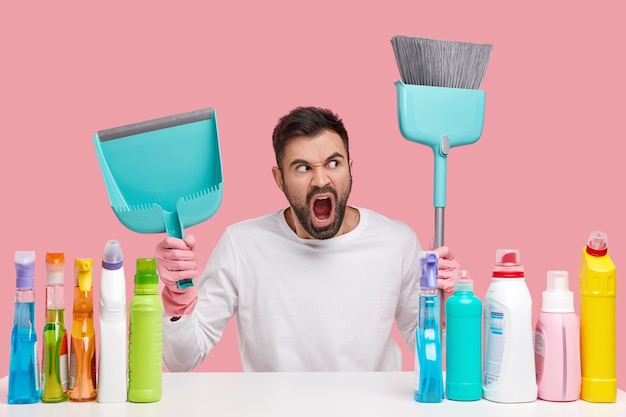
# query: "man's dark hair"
{"points": [[306, 121]]}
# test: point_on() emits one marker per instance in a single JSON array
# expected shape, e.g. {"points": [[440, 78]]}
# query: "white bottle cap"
{"points": [[558, 298], [464, 282]]}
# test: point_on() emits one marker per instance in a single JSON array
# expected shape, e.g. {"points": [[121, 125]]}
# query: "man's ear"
{"points": [[278, 177]]}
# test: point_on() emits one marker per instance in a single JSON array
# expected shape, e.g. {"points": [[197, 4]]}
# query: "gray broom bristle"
{"points": [[431, 62]]}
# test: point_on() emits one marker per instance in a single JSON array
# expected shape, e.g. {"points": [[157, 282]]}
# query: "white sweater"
{"points": [[304, 304]]}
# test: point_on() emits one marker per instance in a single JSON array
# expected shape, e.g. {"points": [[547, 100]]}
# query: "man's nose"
{"points": [[320, 177]]}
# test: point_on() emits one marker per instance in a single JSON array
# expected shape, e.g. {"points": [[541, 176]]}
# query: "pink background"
{"points": [[545, 173]]}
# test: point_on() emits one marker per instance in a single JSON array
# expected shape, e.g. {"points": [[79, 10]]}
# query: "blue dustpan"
{"points": [[163, 175], [440, 118]]}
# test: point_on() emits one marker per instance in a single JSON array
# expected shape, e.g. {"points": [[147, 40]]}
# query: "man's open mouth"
{"points": [[322, 207]]}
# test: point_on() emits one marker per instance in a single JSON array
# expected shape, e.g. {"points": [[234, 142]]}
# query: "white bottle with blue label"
{"points": [[509, 363]]}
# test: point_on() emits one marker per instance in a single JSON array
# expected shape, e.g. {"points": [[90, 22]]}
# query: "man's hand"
{"points": [[176, 260]]}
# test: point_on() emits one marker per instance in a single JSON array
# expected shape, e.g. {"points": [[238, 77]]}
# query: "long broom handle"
{"points": [[439, 220], [439, 189], [439, 214]]}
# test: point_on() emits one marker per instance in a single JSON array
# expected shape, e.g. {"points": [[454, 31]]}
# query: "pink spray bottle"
{"points": [[557, 342]]}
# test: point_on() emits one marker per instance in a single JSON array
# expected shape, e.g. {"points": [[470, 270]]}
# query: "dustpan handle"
{"points": [[174, 228]]}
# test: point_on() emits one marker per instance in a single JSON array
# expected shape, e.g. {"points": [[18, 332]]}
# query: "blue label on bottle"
{"points": [[494, 344]]}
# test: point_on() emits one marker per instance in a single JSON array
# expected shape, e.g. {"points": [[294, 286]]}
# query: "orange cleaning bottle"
{"points": [[83, 343]]}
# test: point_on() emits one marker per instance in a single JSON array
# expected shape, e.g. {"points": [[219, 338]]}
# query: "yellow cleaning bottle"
{"points": [[597, 287]]}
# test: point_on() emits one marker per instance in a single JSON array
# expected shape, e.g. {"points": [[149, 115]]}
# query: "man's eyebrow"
{"points": [[335, 155]]}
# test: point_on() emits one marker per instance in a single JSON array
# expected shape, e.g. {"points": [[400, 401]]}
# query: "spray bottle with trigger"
{"points": [[429, 373], [83, 335], [24, 370]]}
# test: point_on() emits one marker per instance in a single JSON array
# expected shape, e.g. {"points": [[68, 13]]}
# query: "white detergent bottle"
{"points": [[112, 367], [509, 365]]}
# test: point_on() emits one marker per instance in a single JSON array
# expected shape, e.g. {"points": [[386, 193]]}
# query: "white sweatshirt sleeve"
{"points": [[187, 341], [408, 302]]}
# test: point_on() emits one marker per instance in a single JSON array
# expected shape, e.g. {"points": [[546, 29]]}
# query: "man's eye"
{"points": [[302, 168], [333, 164]]}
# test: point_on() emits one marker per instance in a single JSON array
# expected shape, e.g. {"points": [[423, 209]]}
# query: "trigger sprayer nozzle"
{"points": [[429, 265], [83, 273]]}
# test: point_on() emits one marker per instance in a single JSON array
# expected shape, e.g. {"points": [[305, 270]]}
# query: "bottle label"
{"points": [[42, 378], [494, 343], [63, 364], [430, 348], [72, 367], [38, 365], [540, 352], [540, 345], [145, 353]]}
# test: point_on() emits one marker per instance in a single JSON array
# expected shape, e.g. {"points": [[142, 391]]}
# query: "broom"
{"points": [[439, 104], [445, 117]]}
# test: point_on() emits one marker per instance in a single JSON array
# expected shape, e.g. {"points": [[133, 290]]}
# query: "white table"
{"points": [[302, 394]]}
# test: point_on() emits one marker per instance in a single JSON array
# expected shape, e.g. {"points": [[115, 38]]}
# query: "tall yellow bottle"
{"points": [[597, 287]]}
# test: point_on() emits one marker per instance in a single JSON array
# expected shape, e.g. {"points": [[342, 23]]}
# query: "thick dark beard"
{"points": [[304, 214]]}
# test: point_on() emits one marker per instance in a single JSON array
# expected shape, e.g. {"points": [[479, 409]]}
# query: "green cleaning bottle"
{"points": [[145, 336], [55, 369]]}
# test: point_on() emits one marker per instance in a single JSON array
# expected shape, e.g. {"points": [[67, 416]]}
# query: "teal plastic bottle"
{"points": [[24, 371], [464, 342], [145, 349]]}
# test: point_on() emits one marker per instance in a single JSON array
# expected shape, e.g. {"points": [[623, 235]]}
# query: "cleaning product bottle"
{"points": [[112, 366], [597, 287], [557, 342], [429, 386], [24, 374], [54, 375], [509, 365], [83, 344], [464, 312], [145, 335]]}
